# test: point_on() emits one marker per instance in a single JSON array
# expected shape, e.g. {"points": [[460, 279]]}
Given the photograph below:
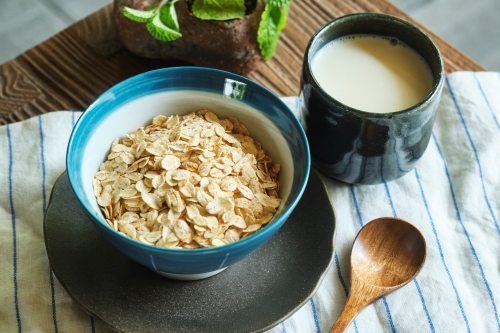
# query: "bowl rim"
{"points": [[270, 228]]}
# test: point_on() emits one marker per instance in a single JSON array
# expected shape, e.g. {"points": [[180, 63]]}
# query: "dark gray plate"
{"points": [[253, 295]]}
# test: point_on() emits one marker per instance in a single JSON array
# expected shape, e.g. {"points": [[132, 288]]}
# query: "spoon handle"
{"points": [[351, 309]]}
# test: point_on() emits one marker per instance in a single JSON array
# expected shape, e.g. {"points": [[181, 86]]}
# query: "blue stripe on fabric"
{"points": [[486, 99], [475, 154], [14, 233], [344, 286], [389, 314], [425, 308], [283, 327], [383, 298], [42, 158], [72, 119], [355, 326], [390, 199], [44, 198], [315, 315], [422, 193], [92, 324], [358, 211], [467, 234], [353, 194], [424, 304]]}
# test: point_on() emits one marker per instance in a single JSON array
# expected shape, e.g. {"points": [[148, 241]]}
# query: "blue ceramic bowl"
{"points": [[134, 102]]}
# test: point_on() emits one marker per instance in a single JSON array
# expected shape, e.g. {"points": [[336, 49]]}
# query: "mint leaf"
{"points": [[162, 23], [272, 22], [160, 31], [284, 15], [278, 3], [218, 9], [168, 16], [138, 15]]}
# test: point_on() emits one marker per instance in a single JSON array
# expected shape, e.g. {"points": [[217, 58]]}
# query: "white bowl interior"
{"points": [[140, 112]]}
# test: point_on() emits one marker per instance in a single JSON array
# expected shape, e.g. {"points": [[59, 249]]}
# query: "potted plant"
{"points": [[234, 35]]}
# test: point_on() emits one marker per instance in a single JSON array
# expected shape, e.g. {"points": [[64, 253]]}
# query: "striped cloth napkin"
{"points": [[452, 197]]}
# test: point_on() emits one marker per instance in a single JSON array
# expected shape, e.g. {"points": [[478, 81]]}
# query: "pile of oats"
{"points": [[188, 182]]}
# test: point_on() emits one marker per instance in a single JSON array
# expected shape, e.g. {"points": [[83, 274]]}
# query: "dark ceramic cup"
{"points": [[361, 147]]}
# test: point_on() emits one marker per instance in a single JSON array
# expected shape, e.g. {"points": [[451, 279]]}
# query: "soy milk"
{"points": [[372, 73]]}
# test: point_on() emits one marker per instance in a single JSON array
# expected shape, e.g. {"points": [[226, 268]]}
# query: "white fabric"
{"points": [[452, 197]]}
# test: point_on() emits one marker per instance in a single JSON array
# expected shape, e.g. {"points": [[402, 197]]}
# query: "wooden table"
{"points": [[68, 71]]}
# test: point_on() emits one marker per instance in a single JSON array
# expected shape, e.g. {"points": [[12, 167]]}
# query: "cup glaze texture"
{"points": [[360, 147]]}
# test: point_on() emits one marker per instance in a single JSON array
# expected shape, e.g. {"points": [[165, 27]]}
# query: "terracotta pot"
{"points": [[228, 45]]}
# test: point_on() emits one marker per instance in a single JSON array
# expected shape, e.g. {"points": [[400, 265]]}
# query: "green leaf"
{"points": [[278, 3], [138, 15], [284, 15], [160, 31], [218, 9], [168, 16], [271, 24]]}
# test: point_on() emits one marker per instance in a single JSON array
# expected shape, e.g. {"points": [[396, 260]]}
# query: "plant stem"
{"points": [[162, 2]]}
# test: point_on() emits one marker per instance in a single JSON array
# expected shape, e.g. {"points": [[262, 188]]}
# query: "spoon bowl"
{"points": [[387, 253]]}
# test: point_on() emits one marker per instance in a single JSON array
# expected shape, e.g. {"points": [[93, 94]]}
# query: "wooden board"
{"points": [[69, 70]]}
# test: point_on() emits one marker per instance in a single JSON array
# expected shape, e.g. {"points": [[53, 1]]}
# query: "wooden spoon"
{"points": [[387, 254]]}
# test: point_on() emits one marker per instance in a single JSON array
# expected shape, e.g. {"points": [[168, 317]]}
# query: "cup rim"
{"points": [[271, 228], [439, 81]]}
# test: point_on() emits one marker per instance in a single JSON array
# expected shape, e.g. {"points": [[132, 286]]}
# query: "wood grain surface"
{"points": [[71, 69]]}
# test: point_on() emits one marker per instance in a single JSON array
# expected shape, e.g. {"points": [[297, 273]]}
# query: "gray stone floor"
{"points": [[26, 23], [473, 26]]}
